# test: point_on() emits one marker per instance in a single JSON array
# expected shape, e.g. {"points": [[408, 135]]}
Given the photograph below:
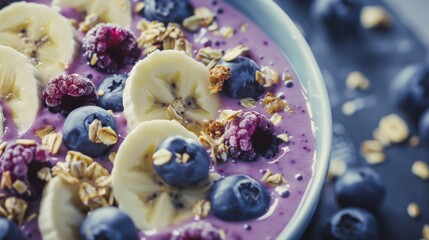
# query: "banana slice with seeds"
{"points": [[40, 33], [106, 11], [18, 88], [169, 85], [60, 216], [137, 188]]}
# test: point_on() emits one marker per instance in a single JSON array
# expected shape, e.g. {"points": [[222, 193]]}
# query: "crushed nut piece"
{"points": [[161, 157], [420, 169], [218, 75], [227, 32], [42, 132], [273, 104], [375, 17], [208, 54], [273, 179], [6, 180], [248, 103], [45, 174], [276, 119], [234, 53], [372, 151], [202, 208], [356, 80], [112, 157], [90, 21], [413, 210], [393, 128], [20, 186]]}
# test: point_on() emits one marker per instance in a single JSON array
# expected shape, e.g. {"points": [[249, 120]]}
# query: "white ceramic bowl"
{"points": [[288, 38]]}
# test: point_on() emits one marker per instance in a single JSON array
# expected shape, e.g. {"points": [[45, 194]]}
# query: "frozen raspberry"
{"points": [[199, 231], [17, 157], [68, 92], [109, 47], [249, 134]]}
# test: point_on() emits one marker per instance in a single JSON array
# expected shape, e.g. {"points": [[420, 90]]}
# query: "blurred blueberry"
{"points": [[9, 231], [360, 187], [352, 224], [242, 82], [340, 17], [108, 223], [113, 88], [189, 163], [238, 198], [76, 130], [167, 11], [410, 90]]}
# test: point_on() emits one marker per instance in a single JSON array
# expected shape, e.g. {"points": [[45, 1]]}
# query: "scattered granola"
{"points": [[276, 119], [273, 179], [99, 134], [356, 80], [209, 56], [214, 128], [248, 103], [244, 27], [20, 187], [337, 167], [6, 180], [95, 188], [234, 53], [15, 209], [375, 17], [284, 137], [203, 17], [161, 157], [45, 174], [273, 104], [227, 32], [270, 76], [420, 169], [373, 151], [218, 75], [42, 132], [202, 208], [3, 146], [52, 142], [413, 210], [218, 150]]}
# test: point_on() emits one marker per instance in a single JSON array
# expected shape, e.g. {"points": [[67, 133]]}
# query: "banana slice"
{"points": [[18, 88], [41, 33], [169, 85], [137, 188], [107, 11], [60, 217]]}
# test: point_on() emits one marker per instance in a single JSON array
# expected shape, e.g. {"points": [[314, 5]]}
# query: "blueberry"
{"points": [[424, 126], [360, 187], [167, 11], [238, 198], [410, 90], [9, 231], [188, 164], [108, 223], [76, 130], [340, 17], [113, 88], [352, 224], [242, 82]]}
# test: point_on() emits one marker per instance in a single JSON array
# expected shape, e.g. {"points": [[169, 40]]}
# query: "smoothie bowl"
{"points": [[158, 119]]}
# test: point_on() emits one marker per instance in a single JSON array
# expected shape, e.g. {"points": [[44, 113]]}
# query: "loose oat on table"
{"points": [[372, 151], [420, 169], [393, 128], [357, 80], [337, 167], [375, 17], [413, 210]]}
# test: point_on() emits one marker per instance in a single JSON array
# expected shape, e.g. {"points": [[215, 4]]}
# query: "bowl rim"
{"points": [[284, 33]]}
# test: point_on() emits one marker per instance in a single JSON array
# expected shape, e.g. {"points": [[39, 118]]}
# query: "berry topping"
{"points": [[181, 162], [238, 198], [111, 91], [90, 130], [109, 47], [8, 230], [410, 90], [17, 158], [360, 187], [68, 92], [249, 134], [242, 81], [108, 223], [198, 231], [340, 17], [167, 11], [352, 223]]}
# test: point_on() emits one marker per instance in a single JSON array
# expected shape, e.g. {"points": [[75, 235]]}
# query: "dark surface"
{"points": [[380, 56]]}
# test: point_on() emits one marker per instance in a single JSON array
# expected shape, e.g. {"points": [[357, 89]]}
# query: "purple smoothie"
{"points": [[294, 160]]}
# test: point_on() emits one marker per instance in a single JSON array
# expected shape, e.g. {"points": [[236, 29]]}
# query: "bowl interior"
{"points": [[288, 38]]}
